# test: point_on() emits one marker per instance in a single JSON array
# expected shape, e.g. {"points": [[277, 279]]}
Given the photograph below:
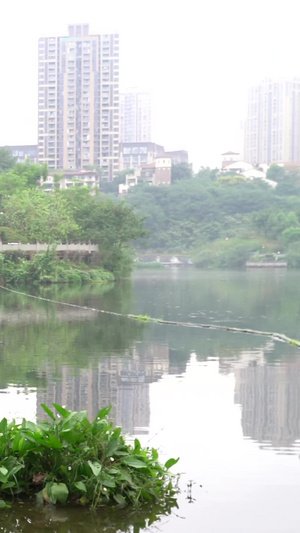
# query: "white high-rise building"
{"points": [[79, 101], [136, 116], [272, 128]]}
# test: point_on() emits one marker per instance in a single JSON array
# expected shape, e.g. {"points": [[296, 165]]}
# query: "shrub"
{"points": [[293, 255], [226, 253], [73, 459], [290, 235], [72, 276], [46, 268], [101, 275]]}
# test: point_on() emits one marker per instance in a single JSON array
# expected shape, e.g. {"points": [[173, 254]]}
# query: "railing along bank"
{"points": [[42, 247]]}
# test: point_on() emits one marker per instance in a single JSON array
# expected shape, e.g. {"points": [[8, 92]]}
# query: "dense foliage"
{"points": [[7, 161], [28, 214], [221, 220], [73, 459], [45, 268]]}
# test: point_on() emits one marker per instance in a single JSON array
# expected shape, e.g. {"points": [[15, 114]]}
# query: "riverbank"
{"points": [[46, 268]]}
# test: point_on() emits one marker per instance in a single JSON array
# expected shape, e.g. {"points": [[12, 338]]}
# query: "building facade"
{"points": [[157, 173], [272, 128], [71, 178], [79, 101], [136, 154], [135, 116], [178, 156], [24, 152], [228, 158]]}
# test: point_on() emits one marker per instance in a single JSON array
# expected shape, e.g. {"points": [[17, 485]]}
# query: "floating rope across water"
{"points": [[145, 318]]}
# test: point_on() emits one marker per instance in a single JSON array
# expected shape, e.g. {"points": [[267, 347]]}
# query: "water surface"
{"points": [[227, 403]]}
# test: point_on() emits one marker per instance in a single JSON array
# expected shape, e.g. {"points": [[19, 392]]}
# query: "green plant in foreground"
{"points": [[71, 459]]}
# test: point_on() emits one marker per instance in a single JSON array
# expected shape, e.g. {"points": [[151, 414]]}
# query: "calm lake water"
{"points": [[227, 403]]}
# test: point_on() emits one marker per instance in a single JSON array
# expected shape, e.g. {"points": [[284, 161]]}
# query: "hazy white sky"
{"points": [[197, 58]]}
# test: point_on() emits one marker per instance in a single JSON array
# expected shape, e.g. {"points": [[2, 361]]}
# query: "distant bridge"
{"points": [[39, 247]]}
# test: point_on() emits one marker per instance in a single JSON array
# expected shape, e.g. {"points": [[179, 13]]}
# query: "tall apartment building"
{"points": [[272, 128], [79, 101], [136, 116]]}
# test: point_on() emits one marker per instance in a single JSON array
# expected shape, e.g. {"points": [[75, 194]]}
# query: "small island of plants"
{"points": [[72, 460]]}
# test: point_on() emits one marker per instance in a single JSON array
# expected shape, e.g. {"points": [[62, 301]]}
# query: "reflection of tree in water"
{"points": [[31, 516], [34, 331], [256, 300]]}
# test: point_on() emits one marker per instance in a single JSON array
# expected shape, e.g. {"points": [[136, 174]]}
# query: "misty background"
{"points": [[196, 58]]}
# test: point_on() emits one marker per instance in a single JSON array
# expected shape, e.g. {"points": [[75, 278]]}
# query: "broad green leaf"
{"points": [[113, 471], [62, 411], [21, 444], [125, 476], [154, 454], [119, 499], [53, 442], [147, 495], [4, 505], [111, 447], [137, 445], [3, 426], [15, 469], [30, 425], [80, 486], [8, 485], [15, 445], [71, 436], [104, 412], [3, 470], [59, 493], [95, 467], [108, 482], [133, 462], [121, 454], [48, 411], [117, 432], [81, 416], [171, 462]]}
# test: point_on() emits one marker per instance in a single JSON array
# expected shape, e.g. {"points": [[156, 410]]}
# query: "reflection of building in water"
{"points": [[178, 360], [233, 362], [122, 382], [269, 396]]}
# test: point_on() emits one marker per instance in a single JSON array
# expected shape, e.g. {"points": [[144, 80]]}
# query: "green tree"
{"points": [[293, 255], [11, 182], [207, 174], [275, 173], [112, 187], [22, 176], [228, 253], [291, 234], [181, 171], [7, 161], [288, 187], [39, 216], [112, 224]]}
